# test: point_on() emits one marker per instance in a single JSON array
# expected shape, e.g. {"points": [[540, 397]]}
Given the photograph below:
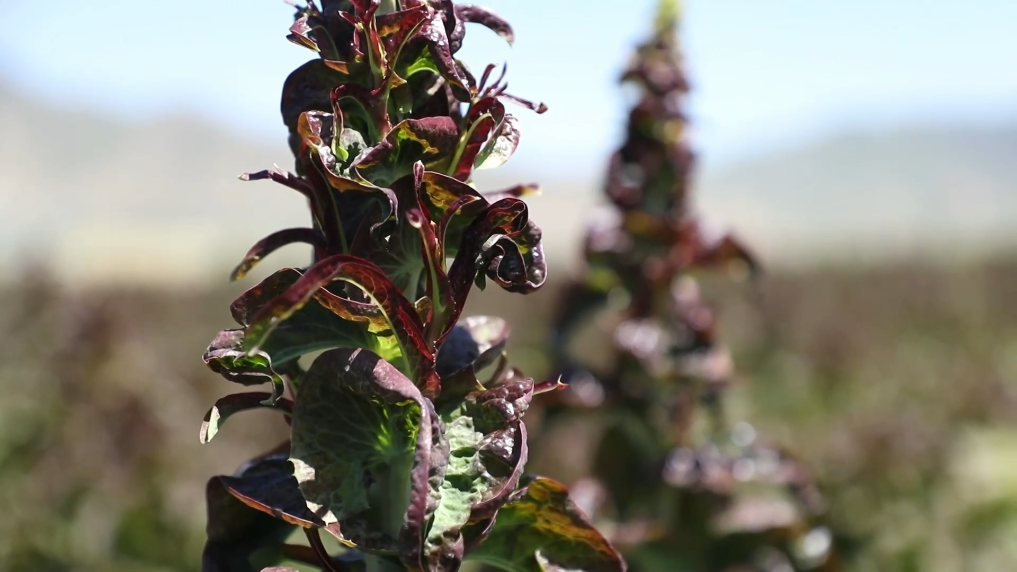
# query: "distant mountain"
{"points": [[100, 199], [924, 191]]}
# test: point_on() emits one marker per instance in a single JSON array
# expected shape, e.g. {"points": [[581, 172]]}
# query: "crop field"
{"points": [[896, 385]]}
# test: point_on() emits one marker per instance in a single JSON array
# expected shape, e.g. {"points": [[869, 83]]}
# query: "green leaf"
{"points": [[359, 429], [541, 530], [487, 444]]}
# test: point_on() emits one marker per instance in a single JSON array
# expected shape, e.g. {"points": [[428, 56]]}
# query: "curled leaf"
{"points": [[275, 241], [480, 15], [227, 406], [227, 357]]}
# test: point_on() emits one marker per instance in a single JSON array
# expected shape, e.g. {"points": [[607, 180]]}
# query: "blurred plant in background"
{"points": [[672, 480]]}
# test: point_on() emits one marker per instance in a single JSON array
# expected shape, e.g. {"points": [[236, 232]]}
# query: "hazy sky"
{"points": [[767, 72]]}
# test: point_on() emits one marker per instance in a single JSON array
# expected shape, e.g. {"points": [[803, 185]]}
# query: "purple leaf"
{"points": [[372, 280], [480, 15], [275, 241], [232, 404]]}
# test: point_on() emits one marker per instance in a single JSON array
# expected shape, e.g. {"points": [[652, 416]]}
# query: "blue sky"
{"points": [[767, 73]]}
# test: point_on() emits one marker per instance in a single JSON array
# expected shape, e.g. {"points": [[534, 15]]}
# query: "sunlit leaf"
{"points": [[358, 430], [541, 530], [402, 316]]}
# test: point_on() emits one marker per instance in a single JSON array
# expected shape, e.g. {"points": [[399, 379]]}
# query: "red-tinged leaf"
{"points": [[505, 217], [377, 55], [395, 245], [322, 323], [338, 214], [435, 36], [365, 9], [541, 530], [369, 104], [458, 207], [396, 28], [549, 386], [443, 191], [402, 317], [317, 130], [275, 241], [480, 15], [538, 107], [339, 66], [268, 485], [232, 404], [308, 88], [300, 33], [429, 140], [483, 118], [517, 264], [515, 192], [454, 204], [309, 31], [429, 467], [353, 311], [248, 304], [235, 531], [284, 178], [313, 188], [437, 287]]}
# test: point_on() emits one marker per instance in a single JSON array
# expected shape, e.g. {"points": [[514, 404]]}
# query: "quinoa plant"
{"points": [[673, 483], [406, 436]]}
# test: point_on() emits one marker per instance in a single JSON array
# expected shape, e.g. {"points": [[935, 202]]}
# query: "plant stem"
{"points": [[324, 559]]}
